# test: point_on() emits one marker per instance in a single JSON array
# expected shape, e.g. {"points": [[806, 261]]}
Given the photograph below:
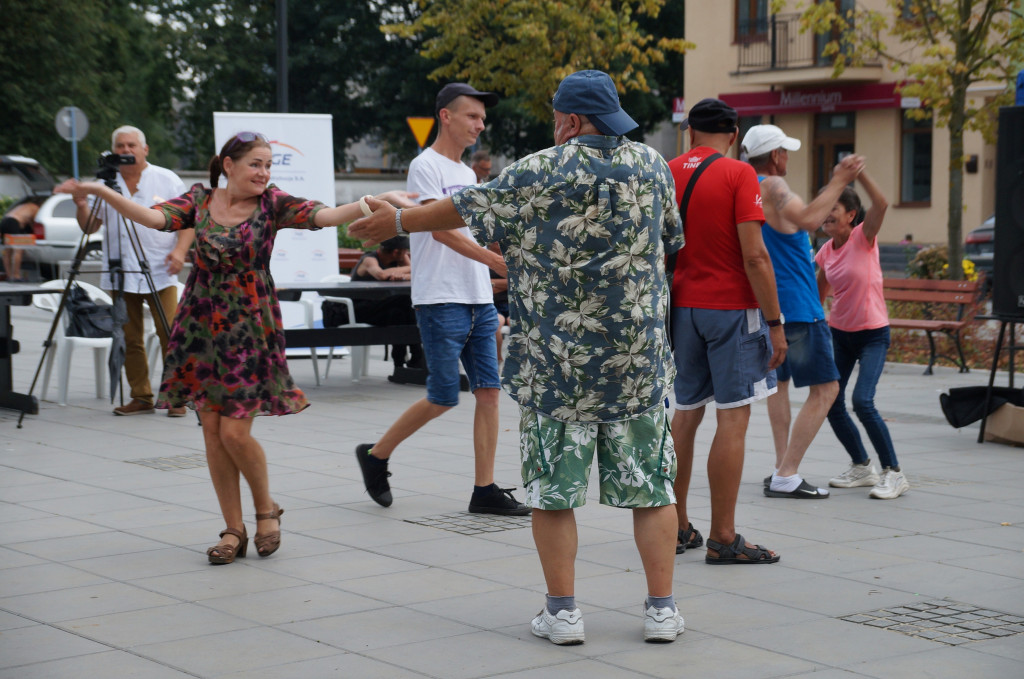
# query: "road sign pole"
{"points": [[74, 145]]}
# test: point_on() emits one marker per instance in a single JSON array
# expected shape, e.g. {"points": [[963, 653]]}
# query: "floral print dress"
{"points": [[226, 349]]}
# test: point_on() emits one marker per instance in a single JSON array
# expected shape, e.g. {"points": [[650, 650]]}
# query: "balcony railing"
{"points": [[777, 43]]}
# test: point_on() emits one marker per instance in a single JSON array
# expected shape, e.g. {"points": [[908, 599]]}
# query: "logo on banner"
{"points": [[288, 163]]}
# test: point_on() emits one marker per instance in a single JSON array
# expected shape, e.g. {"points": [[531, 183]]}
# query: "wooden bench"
{"points": [[348, 258], [947, 307]]}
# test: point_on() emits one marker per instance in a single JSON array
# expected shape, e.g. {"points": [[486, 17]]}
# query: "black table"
{"points": [[373, 335], [352, 289], [14, 294]]}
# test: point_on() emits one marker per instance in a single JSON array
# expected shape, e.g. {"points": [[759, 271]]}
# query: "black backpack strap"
{"points": [[684, 204]]}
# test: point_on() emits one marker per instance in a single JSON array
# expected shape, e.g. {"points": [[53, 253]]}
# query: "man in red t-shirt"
{"points": [[723, 281]]}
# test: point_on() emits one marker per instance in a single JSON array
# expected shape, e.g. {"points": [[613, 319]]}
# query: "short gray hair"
{"points": [[127, 129]]}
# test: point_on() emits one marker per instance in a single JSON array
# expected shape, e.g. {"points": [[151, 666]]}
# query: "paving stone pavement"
{"points": [[104, 522]]}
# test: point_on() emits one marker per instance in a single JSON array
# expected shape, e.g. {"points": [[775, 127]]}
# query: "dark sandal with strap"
{"points": [[738, 552], [269, 543], [688, 539], [223, 554]]}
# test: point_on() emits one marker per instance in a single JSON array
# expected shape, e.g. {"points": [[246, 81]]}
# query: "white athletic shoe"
{"points": [[892, 485], [564, 628], [857, 475], [662, 624]]}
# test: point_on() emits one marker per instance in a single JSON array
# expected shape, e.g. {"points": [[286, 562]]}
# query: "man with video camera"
{"points": [[165, 253]]}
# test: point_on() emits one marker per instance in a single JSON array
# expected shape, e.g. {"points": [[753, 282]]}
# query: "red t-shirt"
{"points": [[709, 272]]}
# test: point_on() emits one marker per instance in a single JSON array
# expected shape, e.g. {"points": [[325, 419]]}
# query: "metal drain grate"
{"points": [[472, 524], [169, 464], [949, 622]]}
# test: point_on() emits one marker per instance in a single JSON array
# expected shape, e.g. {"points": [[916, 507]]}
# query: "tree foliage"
{"points": [[942, 48], [523, 48], [339, 63], [102, 56]]}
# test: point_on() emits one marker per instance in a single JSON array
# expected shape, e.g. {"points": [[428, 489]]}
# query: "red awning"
{"points": [[816, 100]]}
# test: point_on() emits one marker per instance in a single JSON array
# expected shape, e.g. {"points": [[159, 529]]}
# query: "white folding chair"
{"points": [[65, 345], [360, 354]]}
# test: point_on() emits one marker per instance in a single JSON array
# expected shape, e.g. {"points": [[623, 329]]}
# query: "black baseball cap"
{"points": [[451, 91], [711, 115]]}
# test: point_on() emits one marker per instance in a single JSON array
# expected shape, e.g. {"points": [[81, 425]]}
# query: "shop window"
{"points": [[744, 125], [916, 161], [751, 20]]}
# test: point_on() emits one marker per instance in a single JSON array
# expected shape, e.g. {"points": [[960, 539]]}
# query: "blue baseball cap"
{"points": [[593, 94]]}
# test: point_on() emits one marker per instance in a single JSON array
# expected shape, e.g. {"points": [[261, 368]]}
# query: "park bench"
{"points": [[348, 258], [947, 307]]}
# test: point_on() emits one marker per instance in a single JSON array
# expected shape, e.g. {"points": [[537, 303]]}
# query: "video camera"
{"points": [[108, 163]]}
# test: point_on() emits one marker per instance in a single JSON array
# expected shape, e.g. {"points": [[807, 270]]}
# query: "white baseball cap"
{"points": [[762, 139]]}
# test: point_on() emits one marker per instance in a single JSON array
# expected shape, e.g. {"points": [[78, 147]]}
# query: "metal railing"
{"points": [[775, 42]]}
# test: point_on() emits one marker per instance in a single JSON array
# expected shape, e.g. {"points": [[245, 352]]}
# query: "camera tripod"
{"points": [[123, 226]]}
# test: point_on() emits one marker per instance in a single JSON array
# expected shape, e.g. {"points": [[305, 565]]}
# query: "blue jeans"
{"points": [[450, 332], [869, 347]]}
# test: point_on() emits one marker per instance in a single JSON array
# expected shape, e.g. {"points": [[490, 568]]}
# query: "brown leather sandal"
{"points": [[222, 554], [269, 543]]}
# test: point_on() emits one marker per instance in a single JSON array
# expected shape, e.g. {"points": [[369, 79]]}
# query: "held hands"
{"points": [[175, 261], [77, 189], [848, 168], [380, 225]]}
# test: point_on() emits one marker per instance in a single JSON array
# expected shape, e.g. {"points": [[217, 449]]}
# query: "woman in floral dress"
{"points": [[225, 357]]}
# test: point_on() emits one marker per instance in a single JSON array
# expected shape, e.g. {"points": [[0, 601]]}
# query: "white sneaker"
{"points": [[856, 475], [564, 628], [892, 485], [662, 624]]}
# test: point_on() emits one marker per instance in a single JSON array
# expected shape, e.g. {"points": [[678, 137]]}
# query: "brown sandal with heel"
{"points": [[223, 554], [269, 543]]}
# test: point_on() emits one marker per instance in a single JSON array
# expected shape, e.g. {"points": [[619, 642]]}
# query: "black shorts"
{"points": [[12, 226]]}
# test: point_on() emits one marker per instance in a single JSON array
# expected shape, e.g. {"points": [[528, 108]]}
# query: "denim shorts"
{"points": [[636, 460], [810, 359], [721, 355], [454, 332]]}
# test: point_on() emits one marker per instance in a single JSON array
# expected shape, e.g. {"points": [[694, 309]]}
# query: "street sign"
{"points": [[72, 125], [678, 109], [421, 128]]}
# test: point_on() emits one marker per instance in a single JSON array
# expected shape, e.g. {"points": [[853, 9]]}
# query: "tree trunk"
{"points": [[956, 181]]}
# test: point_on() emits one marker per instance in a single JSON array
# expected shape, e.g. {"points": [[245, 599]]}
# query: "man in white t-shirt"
{"points": [[451, 292], [165, 253]]}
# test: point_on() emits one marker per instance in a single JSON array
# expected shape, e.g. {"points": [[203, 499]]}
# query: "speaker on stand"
{"points": [[1008, 262]]}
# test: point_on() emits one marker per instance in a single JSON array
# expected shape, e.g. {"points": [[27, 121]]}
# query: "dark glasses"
{"points": [[245, 138]]}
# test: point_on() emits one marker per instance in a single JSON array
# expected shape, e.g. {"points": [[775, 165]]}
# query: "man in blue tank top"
{"points": [[809, 362]]}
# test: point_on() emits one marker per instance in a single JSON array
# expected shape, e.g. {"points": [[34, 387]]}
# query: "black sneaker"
{"points": [[804, 491], [498, 501], [375, 475]]}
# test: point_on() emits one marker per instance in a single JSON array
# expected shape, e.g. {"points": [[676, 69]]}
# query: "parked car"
{"points": [[58, 235], [22, 177], [979, 247], [55, 227]]}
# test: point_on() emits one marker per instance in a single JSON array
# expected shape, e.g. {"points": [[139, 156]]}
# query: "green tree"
{"points": [[339, 63], [102, 56], [523, 48], [942, 48]]}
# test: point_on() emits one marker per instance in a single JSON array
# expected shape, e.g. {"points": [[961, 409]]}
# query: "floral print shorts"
{"points": [[635, 458]]}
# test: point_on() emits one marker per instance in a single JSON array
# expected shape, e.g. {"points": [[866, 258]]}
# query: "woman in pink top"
{"points": [[849, 266]]}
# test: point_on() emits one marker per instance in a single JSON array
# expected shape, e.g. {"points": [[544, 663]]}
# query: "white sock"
{"points": [[785, 484]]}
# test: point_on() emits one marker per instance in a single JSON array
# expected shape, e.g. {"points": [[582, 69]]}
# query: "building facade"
{"points": [[762, 65]]}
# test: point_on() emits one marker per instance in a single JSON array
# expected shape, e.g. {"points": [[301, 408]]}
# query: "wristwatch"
{"points": [[781, 320], [399, 231]]}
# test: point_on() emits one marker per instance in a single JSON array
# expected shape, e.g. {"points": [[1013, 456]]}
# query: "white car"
{"points": [[58, 236]]}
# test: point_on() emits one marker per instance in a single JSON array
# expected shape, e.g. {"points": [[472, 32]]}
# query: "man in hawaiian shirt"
{"points": [[584, 227]]}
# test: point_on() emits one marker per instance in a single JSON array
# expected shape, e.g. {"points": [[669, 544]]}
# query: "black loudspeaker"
{"points": [[1008, 263]]}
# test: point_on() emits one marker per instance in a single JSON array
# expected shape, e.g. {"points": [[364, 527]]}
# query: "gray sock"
{"points": [[560, 603], [661, 601]]}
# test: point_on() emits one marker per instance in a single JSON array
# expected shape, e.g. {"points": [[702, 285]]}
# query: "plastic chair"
{"points": [[360, 354], [65, 345], [153, 348]]}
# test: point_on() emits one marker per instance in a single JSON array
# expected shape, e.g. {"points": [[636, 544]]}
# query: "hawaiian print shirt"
{"points": [[584, 228]]}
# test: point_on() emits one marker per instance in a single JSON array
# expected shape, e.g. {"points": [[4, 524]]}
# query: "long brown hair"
{"points": [[235, 149]]}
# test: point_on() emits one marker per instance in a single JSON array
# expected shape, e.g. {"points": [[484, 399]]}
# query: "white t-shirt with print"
{"points": [[440, 275]]}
